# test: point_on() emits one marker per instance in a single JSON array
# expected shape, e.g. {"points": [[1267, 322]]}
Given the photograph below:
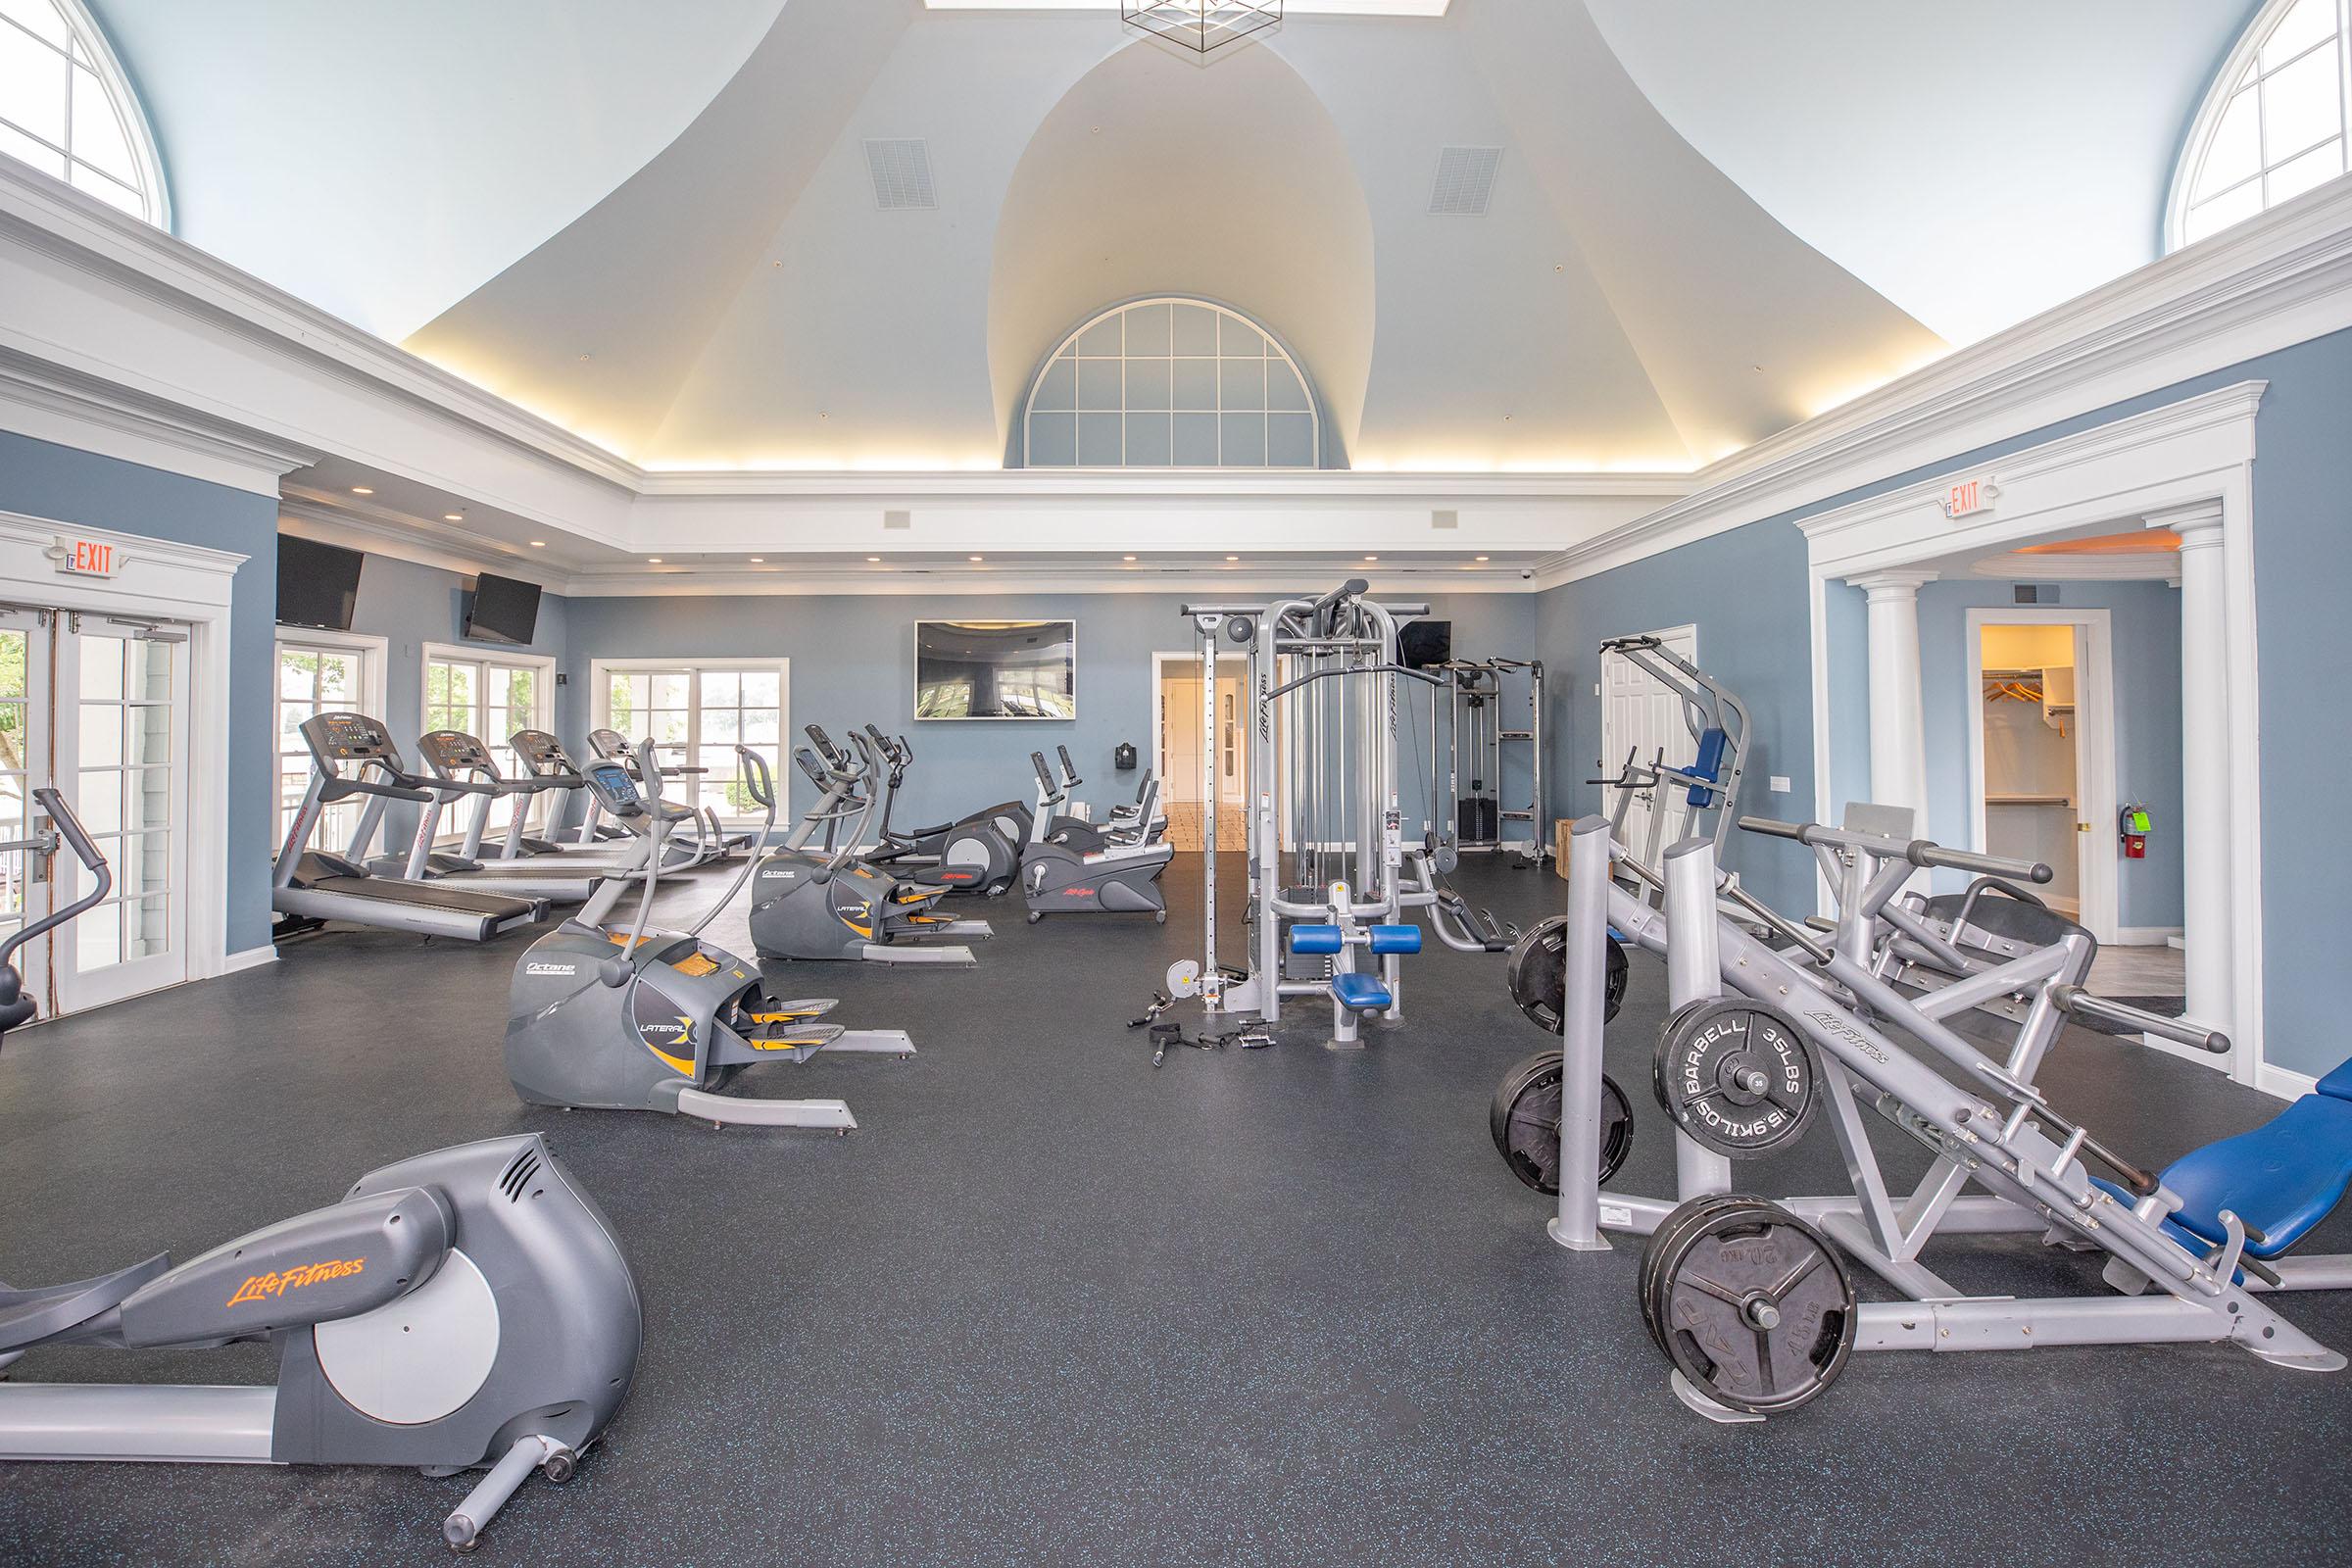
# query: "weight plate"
{"points": [[1736, 1075], [1537, 974], [1662, 1241], [1184, 978], [1525, 1120], [1755, 1307]]}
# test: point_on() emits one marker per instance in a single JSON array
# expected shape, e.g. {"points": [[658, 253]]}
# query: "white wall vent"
{"points": [[902, 171], [1465, 181], [898, 520], [1444, 519]]}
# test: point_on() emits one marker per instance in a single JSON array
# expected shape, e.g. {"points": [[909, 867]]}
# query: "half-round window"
{"points": [[67, 108], [2273, 123], [1172, 383]]}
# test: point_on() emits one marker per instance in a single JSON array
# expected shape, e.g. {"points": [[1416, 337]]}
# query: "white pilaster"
{"points": [[2206, 837], [1898, 741]]}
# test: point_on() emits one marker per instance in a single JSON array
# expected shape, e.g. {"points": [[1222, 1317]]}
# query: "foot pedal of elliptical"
{"points": [[772, 1012]]}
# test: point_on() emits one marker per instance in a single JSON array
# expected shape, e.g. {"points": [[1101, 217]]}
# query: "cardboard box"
{"points": [[1560, 834]]}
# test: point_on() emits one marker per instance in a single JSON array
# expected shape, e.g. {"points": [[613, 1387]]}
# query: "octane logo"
{"points": [[537, 967], [269, 1286]]}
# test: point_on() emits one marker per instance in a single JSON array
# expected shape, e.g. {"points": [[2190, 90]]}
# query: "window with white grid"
{"points": [[317, 675], [1172, 383], [2273, 124], [697, 711], [490, 698], [67, 108]]}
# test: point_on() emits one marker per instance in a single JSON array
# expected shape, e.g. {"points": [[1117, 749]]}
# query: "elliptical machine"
{"points": [[1120, 876], [977, 855], [826, 903], [662, 1020], [431, 1318]]}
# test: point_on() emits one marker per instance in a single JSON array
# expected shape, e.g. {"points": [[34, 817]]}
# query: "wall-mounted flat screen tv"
{"points": [[503, 610], [996, 669], [317, 585]]}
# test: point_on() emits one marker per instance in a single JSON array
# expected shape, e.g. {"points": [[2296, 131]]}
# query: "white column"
{"points": [[2206, 838], [1898, 739]]}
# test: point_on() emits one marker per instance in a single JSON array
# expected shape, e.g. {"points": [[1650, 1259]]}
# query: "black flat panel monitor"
{"points": [[996, 669], [503, 610], [317, 585], [1423, 643]]}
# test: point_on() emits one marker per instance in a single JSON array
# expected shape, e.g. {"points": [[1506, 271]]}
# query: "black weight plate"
{"points": [[1524, 1118], [1737, 1075], [1537, 974], [1662, 1244], [1756, 1306]]}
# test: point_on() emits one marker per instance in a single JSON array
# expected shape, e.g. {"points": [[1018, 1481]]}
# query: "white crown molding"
{"points": [[2275, 280], [2121, 566], [947, 578], [50, 404]]}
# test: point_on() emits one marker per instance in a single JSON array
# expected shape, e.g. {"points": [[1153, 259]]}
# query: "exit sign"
{"points": [[85, 557], [1969, 496]]}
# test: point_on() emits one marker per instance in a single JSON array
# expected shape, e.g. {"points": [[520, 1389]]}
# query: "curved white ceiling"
{"points": [[1976, 164], [382, 159]]}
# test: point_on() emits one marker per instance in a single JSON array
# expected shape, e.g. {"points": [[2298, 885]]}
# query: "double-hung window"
{"points": [[697, 711]]}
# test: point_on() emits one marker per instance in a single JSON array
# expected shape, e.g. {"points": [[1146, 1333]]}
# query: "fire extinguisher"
{"points": [[2132, 826]]}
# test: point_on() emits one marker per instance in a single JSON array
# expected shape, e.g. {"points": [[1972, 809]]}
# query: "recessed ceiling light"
{"points": [[654, 559], [538, 544], [1126, 558], [1481, 558], [1233, 557], [361, 490], [1371, 557], [977, 558], [759, 561], [875, 559], [452, 516]]}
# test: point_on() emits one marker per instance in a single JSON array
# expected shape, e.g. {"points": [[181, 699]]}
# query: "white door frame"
{"points": [[1162, 660], [2097, 867], [158, 579], [2193, 456], [1673, 637]]}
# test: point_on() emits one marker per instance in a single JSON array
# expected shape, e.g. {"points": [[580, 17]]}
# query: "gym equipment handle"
{"points": [[757, 778], [78, 839], [2081, 1004], [1919, 852]]}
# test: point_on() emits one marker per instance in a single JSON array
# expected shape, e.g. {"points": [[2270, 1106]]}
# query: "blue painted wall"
{"points": [[1745, 592], [853, 660], [2146, 627], [1748, 589], [81, 489]]}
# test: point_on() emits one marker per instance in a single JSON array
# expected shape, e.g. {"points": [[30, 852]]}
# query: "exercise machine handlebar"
{"points": [[78, 839], [1919, 852], [2081, 1004]]}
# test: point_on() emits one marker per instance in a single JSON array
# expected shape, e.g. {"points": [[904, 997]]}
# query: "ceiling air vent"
{"points": [[1465, 180], [1446, 519], [902, 171], [898, 520]]}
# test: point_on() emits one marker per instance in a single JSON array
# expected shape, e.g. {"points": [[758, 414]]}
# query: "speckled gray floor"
{"points": [[1051, 1306]]}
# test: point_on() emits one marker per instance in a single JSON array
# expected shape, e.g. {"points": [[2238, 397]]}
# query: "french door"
{"points": [[1640, 718], [97, 708]]}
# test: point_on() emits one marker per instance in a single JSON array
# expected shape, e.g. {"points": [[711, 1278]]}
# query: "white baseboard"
{"points": [[2283, 1082], [250, 959], [2146, 936]]}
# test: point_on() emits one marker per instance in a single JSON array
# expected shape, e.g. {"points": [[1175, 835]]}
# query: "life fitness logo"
{"points": [[269, 1286]]}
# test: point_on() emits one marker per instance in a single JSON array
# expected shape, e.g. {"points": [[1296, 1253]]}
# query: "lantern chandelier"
{"points": [[1201, 25]]}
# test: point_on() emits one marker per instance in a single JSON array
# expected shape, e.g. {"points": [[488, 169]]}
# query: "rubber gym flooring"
{"points": [[1049, 1305]]}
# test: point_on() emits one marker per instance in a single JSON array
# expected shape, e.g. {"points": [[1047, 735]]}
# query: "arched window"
{"points": [[67, 109], [1172, 383], [2273, 123]]}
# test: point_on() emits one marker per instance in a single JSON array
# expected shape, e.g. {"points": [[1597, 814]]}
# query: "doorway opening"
{"points": [[1182, 739]]}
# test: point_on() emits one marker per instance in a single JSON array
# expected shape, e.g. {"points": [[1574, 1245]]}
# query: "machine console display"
{"points": [[455, 751], [614, 789], [349, 738]]}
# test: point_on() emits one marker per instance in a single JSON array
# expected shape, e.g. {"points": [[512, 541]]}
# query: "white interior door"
{"points": [[1640, 715], [98, 708]]}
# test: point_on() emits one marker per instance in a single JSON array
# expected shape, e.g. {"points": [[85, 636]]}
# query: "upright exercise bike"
{"points": [[432, 1318], [1118, 874], [662, 1020]]}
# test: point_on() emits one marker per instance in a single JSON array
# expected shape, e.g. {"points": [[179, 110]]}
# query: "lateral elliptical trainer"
{"points": [[1325, 830]]}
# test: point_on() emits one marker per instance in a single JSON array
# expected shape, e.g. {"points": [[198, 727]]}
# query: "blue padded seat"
{"points": [[1395, 939], [1708, 764], [1315, 938], [2337, 1085], [2283, 1178], [1364, 993]]}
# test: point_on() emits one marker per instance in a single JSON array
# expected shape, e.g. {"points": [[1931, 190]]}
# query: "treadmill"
{"points": [[461, 765], [353, 754], [545, 760]]}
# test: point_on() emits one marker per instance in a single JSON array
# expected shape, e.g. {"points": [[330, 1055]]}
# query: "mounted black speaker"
{"points": [[1423, 643]]}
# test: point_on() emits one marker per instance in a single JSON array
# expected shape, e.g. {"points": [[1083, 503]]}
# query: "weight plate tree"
{"points": [[1736, 1075], [1537, 974], [1525, 1119], [1754, 1307]]}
